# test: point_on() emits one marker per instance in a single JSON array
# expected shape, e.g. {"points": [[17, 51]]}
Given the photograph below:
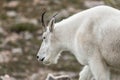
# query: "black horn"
{"points": [[42, 19]]}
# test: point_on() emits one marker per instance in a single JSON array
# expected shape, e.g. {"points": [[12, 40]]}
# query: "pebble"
{"points": [[11, 4], [17, 51], [5, 56], [11, 14], [90, 3], [28, 35]]}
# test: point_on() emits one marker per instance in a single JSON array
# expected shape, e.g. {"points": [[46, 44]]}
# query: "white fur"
{"points": [[93, 36]]}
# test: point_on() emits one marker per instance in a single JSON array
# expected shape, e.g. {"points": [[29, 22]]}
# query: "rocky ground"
{"points": [[20, 38]]}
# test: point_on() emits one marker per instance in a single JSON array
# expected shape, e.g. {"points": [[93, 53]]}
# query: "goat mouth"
{"points": [[42, 59]]}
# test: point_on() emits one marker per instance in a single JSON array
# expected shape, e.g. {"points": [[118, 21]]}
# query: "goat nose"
{"points": [[37, 57]]}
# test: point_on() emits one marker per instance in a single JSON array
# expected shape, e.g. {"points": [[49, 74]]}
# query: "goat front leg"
{"points": [[98, 67], [86, 74]]}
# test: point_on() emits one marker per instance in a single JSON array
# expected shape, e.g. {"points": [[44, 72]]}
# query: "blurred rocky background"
{"points": [[20, 37]]}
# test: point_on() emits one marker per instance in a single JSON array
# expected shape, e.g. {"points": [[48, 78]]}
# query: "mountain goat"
{"points": [[93, 36]]}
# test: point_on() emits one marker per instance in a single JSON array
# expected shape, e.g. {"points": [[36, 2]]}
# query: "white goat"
{"points": [[93, 36]]}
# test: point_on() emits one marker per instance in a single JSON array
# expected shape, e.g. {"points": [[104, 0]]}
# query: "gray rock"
{"points": [[6, 77], [36, 2], [2, 31], [12, 38], [21, 19], [17, 51], [90, 3], [72, 10], [11, 14], [35, 76], [64, 12], [5, 56], [34, 21], [11, 4], [28, 35]]}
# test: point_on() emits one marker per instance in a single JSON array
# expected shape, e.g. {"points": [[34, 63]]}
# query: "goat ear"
{"points": [[51, 24]]}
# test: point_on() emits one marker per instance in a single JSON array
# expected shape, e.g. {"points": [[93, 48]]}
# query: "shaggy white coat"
{"points": [[93, 36]]}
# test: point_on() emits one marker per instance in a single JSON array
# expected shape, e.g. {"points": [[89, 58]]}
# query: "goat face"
{"points": [[50, 47]]}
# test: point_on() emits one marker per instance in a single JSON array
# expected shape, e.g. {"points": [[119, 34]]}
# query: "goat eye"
{"points": [[43, 37]]}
